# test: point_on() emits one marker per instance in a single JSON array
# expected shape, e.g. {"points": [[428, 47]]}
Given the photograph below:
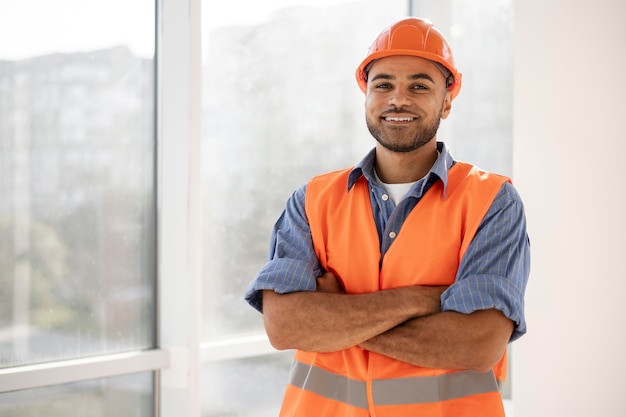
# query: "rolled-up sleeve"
{"points": [[495, 269], [292, 265]]}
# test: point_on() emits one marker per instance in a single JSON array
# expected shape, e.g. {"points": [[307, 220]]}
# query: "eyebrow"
{"points": [[419, 76]]}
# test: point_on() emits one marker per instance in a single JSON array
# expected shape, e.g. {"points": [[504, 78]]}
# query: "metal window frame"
{"points": [[77, 370]]}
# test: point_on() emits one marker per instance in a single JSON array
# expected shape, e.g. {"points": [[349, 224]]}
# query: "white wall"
{"points": [[569, 151]]}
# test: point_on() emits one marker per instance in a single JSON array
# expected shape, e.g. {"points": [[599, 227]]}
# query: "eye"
{"points": [[420, 87], [383, 86]]}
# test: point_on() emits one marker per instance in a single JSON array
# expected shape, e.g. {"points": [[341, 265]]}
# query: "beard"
{"points": [[404, 138]]}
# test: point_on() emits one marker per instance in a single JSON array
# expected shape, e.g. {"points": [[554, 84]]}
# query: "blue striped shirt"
{"points": [[493, 272]]}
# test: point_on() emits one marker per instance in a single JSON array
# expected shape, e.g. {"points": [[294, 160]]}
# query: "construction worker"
{"points": [[399, 281]]}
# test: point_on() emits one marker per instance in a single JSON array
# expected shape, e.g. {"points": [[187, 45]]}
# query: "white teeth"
{"points": [[398, 119]]}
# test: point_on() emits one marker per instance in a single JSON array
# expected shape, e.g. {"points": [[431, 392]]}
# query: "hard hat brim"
{"points": [[361, 74]]}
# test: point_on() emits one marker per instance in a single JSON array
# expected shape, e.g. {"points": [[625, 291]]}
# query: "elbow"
{"points": [[277, 332], [284, 335], [278, 345], [276, 325], [482, 367], [278, 340], [488, 347], [485, 360]]}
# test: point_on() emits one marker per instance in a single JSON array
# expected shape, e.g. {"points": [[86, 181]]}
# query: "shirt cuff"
{"points": [[282, 276], [481, 292]]}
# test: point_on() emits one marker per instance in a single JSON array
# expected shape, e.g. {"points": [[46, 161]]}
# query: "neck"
{"points": [[404, 167]]}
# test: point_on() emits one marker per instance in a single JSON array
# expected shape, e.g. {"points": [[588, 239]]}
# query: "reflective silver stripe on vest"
{"points": [[329, 385], [397, 391], [427, 389]]}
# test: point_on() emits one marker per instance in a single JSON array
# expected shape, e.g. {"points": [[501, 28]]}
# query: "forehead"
{"points": [[404, 64]]}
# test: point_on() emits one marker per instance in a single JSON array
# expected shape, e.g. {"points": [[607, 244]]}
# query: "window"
{"points": [[77, 217]]}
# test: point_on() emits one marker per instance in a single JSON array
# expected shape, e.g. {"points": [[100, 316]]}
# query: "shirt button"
{"points": [[392, 235], [385, 197]]}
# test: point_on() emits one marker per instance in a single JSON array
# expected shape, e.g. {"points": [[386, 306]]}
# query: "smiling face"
{"points": [[406, 98]]}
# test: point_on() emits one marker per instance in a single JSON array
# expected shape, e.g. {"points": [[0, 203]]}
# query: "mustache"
{"points": [[397, 110]]}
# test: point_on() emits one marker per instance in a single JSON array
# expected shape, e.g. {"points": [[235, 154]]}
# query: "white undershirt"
{"points": [[395, 191]]}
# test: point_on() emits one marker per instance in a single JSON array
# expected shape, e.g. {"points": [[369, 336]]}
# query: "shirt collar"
{"points": [[439, 169]]}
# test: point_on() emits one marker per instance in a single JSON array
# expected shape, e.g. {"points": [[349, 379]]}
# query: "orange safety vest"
{"points": [[427, 251]]}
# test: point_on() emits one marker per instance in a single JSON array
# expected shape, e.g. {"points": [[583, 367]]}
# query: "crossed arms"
{"points": [[403, 323], [407, 324]]}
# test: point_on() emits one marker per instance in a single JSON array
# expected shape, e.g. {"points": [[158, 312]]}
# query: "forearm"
{"points": [[447, 340], [327, 322]]}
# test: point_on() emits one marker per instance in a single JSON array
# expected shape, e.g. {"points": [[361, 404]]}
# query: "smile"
{"points": [[399, 119]]}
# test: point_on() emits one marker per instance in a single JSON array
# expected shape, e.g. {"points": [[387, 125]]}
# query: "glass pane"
{"points": [[480, 129], [251, 387], [280, 104], [120, 396], [77, 214]]}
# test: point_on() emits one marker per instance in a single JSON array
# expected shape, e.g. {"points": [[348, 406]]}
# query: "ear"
{"points": [[446, 106]]}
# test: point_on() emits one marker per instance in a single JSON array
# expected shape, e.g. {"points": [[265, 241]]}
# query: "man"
{"points": [[399, 281]]}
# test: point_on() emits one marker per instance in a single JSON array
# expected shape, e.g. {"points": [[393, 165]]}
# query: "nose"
{"points": [[399, 98]]}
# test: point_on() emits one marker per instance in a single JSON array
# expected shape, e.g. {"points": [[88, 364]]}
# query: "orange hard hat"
{"points": [[415, 37]]}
